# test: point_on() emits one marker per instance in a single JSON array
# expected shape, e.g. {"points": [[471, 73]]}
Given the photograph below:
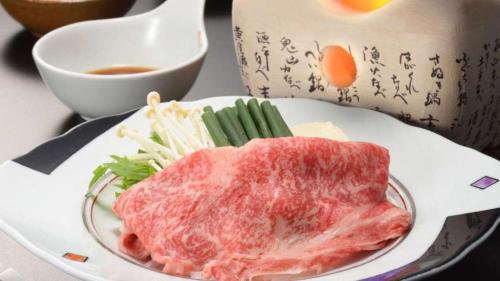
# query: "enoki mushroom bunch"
{"points": [[176, 132]]}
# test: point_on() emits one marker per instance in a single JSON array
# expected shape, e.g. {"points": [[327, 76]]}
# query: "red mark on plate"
{"points": [[75, 257]]}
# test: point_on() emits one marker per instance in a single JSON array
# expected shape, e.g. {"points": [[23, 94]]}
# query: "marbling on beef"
{"points": [[274, 208]]}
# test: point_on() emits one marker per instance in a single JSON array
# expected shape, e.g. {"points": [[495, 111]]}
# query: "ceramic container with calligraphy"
{"points": [[430, 63]]}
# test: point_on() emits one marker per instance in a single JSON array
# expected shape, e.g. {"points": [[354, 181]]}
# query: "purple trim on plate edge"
{"points": [[484, 182]]}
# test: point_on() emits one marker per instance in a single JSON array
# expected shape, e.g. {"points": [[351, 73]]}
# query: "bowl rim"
{"points": [[202, 37]]}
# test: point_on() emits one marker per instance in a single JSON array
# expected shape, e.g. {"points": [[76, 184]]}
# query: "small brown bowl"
{"points": [[42, 16]]}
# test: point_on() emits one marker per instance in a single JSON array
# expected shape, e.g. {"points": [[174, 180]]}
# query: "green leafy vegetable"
{"points": [[98, 174], [275, 120], [208, 109], [229, 129], [233, 117], [126, 183], [246, 119], [214, 127], [282, 123], [156, 138], [271, 119], [123, 167], [128, 171], [259, 118]]}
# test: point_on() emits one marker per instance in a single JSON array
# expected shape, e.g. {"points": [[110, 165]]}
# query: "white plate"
{"points": [[42, 194]]}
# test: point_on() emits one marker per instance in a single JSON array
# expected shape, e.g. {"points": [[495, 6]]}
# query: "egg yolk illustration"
{"points": [[364, 5], [338, 67]]}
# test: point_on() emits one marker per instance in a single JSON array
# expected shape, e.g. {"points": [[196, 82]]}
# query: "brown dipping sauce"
{"points": [[117, 70]]}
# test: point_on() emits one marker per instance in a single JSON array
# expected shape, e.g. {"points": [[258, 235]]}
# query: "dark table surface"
{"points": [[30, 114]]}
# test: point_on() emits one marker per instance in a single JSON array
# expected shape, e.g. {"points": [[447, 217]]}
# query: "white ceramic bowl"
{"points": [[171, 38]]}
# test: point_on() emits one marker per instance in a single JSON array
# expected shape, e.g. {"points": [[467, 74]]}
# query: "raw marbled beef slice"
{"points": [[272, 209]]}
